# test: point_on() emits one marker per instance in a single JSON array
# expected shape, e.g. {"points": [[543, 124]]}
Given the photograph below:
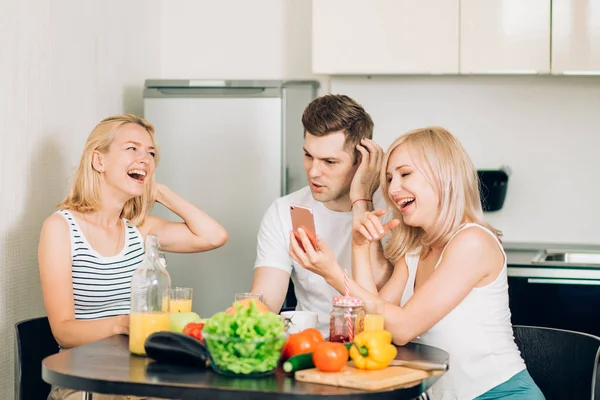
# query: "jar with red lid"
{"points": [[346, 319]]}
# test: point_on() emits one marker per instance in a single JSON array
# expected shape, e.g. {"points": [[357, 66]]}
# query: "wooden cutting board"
{"points": [[354, 378]]}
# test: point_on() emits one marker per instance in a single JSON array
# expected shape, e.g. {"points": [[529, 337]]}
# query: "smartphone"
{"points": [[302, 217]]}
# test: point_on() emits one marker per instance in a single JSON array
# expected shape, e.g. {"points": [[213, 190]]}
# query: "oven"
{"points": [[556, 296]]}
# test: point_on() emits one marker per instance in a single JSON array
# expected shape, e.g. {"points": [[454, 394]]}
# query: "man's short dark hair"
{"points": [[338, 112]]}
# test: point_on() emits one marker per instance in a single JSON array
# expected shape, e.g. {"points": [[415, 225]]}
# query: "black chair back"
{"points": [[290, 298], [34, 342], [562, 363]]}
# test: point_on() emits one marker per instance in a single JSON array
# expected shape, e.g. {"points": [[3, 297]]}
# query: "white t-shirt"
{"points": [[334, 228]]}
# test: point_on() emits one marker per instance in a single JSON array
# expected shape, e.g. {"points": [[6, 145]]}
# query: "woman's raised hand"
{"points": [[371, 228]]}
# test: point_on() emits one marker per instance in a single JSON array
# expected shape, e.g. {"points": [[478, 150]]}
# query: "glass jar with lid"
{"points": [[346, 319], [150, 293]]}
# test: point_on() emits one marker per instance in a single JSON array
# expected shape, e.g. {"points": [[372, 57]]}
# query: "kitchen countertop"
{"points": [[515, 258], [533, 246], [519, 259], [522, 254]]}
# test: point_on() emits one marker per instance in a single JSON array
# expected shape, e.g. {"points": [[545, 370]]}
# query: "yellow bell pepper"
{"points": [[373, 350]]}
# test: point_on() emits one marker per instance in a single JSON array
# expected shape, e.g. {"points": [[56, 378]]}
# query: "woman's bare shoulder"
{"points": [[55, 240], [55, 224], [475, 236], [475, 242]]}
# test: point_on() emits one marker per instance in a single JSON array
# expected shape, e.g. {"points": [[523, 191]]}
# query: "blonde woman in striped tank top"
{"points": [[449, 285], [90, 248]]}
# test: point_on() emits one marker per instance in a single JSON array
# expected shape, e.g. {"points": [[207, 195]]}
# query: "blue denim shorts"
{"points": [[520, 387]]}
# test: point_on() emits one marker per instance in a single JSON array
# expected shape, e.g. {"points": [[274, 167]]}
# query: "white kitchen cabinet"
{"points": [[576, 37], [385, 36], [505, 36]]}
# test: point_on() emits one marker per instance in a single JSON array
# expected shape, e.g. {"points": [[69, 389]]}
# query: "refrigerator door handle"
{"points": [[286, 181]]}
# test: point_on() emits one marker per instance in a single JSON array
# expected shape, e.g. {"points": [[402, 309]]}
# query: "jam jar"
{"points": [[346, 319]]}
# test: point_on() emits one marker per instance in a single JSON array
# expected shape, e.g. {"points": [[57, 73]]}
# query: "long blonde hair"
{"points": [[440, 157], [84, 195]]}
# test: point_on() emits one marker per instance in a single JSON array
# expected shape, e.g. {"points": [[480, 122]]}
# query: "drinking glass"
{"points": [[374, 320], [242, 296], [181, 299]]}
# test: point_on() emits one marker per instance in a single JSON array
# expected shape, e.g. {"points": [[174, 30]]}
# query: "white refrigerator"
{"points": [[231, 148]]}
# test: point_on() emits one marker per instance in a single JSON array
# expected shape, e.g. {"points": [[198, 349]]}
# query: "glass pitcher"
{"points": [[150, 293]]}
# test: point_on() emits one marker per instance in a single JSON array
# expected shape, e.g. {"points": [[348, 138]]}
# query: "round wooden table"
{"points": [[107, 367]]}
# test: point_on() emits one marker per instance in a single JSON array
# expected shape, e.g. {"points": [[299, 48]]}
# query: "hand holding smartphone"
{"points": [[302, 217]]}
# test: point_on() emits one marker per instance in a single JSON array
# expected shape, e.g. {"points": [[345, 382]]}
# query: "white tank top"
{"points": [[477, 334]]}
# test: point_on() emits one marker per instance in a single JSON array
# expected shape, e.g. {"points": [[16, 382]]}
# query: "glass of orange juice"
{"points": [[374, 320], [181, 299]]}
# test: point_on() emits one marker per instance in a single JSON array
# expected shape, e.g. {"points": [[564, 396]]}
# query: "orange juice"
{"points": [[142, 325], [373, 322], [181, 305]]}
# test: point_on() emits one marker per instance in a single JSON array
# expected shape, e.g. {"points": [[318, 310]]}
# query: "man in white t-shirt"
{"points": [[342, 165]]}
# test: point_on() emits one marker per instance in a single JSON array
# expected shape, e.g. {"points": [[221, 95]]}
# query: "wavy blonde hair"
{"points": [[440, 157], [84, 195]]}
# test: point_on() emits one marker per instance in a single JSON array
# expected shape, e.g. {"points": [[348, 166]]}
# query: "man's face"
{"points": [[329, 169]]}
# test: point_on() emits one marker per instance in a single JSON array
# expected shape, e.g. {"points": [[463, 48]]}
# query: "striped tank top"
{"points": [[102, 285]]}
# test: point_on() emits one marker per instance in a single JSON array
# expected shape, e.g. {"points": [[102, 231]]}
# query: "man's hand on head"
{"points": [[366, 179]]}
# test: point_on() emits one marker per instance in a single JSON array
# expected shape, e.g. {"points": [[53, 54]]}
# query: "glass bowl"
{"points": [[239, 357]]}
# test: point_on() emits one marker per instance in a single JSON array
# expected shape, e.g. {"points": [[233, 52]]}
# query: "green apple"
{"points": [[180, 319]]}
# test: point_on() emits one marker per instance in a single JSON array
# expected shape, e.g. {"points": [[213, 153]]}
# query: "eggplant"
{"points": [[176, 348]]}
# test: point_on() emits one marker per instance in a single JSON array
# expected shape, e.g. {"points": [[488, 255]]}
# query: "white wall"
{"points": [[64, 65], [547, 129]]}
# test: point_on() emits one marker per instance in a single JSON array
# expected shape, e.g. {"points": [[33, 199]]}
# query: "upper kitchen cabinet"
{"points": [[385, 36], [576, 37], [505, 36]]}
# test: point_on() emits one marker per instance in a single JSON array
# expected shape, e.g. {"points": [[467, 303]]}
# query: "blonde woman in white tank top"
{"points": [[89, 250], [449, 285]]}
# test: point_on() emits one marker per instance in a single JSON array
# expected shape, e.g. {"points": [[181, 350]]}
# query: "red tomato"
{"points": [[194, 329], [313, 334], [330, 356], [298, 343]]}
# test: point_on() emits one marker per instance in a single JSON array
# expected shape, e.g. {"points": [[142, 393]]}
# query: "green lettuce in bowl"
{"points": [[246, 343]]}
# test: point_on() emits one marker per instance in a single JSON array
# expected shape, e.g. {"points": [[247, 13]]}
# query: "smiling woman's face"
{"points": [[129, 163], [410, 190]]}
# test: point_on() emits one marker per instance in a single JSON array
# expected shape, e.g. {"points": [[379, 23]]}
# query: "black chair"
{"points": [[564, 364], [34, 342], [290, 299]]}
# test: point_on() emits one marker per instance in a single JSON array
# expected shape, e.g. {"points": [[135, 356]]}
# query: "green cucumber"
{"points": [[303, 361]]}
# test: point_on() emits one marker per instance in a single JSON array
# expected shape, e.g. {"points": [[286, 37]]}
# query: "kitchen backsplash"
{"points": [[546, 128]]}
